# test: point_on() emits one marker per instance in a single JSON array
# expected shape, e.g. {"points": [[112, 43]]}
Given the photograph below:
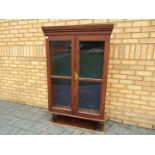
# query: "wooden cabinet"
{"points": [[77, 60]]}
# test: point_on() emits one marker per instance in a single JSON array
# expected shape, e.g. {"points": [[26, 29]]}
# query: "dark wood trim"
{"points": [[78, 116], [89, 79], [51, 30], [104, 76], [48, 75], [60, 77]]}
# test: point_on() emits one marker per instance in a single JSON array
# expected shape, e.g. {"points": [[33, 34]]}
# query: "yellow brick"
{"points": [[136, 67], [116, 20], [125, 91], [46, 24], [35, 63], [15, 39], [119, 67], [118, 76], [146, 62], [128, 41], [32, 21], [140, 35], [130, 122], [39, 43], [148, 29], [144, 51], [150, 68], [147, 40], [28, 34], [113, 71], [33, 30], [134, 87], [114, 62], [42, 20], [148, 98], [126, 81], [116, 103], [5, 24], [127, 50], [124, 24], [138, 51], [142, 23], [133, 96], [23, 30], [123, 35], [139, 101], [113, 81], [117, 30], [132, 51], [115, 41], [100, 21], [150, 89], [22, 22], [76, 22], [146, 125], [144, 73], [143, 83], [149, 78], [87, 21], [28, 43], [151, 113], [132, 29], [130, 114], [28, 26], [152, 34], [13, 31], [118, 85], [14, 23], [60, 23], [127, 72]]}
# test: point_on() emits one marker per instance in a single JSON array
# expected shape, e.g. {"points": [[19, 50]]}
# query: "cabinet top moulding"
{"points": [[78, 29]]}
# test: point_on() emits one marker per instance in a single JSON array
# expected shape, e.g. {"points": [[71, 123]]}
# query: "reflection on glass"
{"points": [[91, 59], [61, 92], [89, 96], [61, 58]]}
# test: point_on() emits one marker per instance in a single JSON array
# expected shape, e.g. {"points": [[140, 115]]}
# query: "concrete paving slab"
{"points": [[18, 119]]}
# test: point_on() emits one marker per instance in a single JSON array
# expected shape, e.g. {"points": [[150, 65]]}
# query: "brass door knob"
{"points": [[76, 76]]}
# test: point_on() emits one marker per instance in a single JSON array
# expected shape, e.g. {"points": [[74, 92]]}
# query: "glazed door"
{"points": [[90, 82], [61, 73], [77, 66]]}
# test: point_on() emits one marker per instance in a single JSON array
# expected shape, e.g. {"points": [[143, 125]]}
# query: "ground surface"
{"points": [[17, 119]]}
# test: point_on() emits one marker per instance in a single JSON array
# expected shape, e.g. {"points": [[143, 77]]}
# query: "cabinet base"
{"points": [[76, 122]]}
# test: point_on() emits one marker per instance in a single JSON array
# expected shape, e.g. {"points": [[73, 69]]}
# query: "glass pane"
{"points": [[89, 96], [61, 58], [61, 91], [91, 59]]}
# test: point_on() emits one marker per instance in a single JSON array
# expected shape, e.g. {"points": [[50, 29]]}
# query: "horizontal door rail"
{"points": [[89, 79], [60, 77]]}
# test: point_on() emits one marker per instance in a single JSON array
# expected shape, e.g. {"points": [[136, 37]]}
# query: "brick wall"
{"points": [[131, 76]]}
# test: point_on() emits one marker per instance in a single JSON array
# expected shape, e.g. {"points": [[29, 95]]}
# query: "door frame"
{"points": [[51, 106], [103, 81], [52, 32]]}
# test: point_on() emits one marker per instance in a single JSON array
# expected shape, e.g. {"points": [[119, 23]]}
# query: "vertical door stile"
{"points": [[104, 78], [48, 57], [72, 74], [76, 72]]}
